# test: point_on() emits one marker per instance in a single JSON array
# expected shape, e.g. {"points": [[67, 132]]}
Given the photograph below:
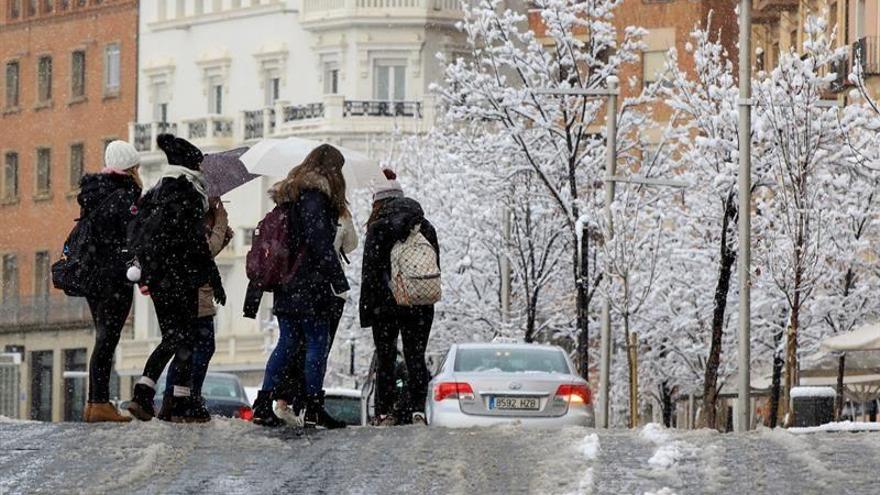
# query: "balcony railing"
{"points": [[317, 11], [840, 68], [144, 135], [866, 52], [208, 128], [303, 112], [44, 310], [373, 108]]}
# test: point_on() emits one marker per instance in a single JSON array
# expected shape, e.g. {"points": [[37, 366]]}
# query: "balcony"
{"points": [[334, 116], [319, 14], [768, 11], [40, 311], [866, 53]]}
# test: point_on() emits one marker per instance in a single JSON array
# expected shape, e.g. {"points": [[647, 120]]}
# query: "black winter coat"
{"points": [[175, 254], [313, 228], [108, 202], [396, 219]]}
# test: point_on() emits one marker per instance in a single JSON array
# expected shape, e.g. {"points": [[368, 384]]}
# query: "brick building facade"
{"points": [[67, 87]]}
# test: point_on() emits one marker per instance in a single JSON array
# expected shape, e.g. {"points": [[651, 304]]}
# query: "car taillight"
{"points": [[246, 413], [453, 390], [574, 394]]}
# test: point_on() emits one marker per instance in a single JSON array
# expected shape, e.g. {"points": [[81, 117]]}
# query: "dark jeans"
{"points": [[109, 312], [292, 386], [203, 351], [177, 312], [414, 327], [312, 332]]}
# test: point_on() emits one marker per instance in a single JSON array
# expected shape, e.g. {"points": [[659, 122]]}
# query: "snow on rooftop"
{"points": [[800, 392]]}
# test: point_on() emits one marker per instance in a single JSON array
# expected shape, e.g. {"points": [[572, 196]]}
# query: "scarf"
{"points": [[195, 177]]}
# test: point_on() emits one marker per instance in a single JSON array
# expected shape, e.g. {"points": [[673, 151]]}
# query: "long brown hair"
{"points": [[377, 209], [326, 162]]}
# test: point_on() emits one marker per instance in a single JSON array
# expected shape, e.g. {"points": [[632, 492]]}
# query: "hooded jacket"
{"points": [[396, 219], [175, 254], [108, 201], [319, 277]]}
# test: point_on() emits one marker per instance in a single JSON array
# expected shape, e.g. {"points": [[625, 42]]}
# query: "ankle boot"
{"points": [[141, 404], [103, 412], [165, 409], [189, 409], [263, 413], [316, 415]]}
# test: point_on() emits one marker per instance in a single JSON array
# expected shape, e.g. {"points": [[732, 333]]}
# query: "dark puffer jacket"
{"points": [[313, 228], [174, 254], [395, 221], [108, 200]]}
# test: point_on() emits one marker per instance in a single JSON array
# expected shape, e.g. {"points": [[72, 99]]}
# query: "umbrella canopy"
{"points": [[224, 171], [865, 338], [277, 157]]}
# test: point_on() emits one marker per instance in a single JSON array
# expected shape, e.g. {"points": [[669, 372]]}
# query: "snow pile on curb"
{"points": [[842, 426], [801, 392], [662, 491], [666, 456], [589, 448], [655, 433]]}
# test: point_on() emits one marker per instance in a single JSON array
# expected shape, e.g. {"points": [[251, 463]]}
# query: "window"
{"points": [[41, 385], [111, 69], [31, 8], [199, 7], [78, 74], [247, 237], [44, 79], [860, 18], [12, 84], [832, 18], [793, 40], [389, 80], [331, 79], [47, 6], [74, 384], [160, 96], [77, 164], [273, 89], [14, 9], [653, 67], [41, 274], [215, 95], [9, 289], [10, 176], [44, 171]]}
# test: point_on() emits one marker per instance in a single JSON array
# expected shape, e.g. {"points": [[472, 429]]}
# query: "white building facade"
{"points": [[225, 73]]}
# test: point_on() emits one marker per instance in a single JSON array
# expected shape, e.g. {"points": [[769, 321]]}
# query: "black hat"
{"points": [[180, 151]]}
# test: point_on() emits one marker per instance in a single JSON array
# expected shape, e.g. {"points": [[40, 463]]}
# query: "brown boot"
{"points": [[102, 412]]}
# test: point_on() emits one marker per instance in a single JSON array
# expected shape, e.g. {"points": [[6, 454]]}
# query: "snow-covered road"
{"points": [[228, 456]]}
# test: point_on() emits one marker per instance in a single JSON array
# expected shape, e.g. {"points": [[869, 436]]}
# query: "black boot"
{"points": [[141, 404], [165, 409], [189, 409], [316, 415], [263, 413]]}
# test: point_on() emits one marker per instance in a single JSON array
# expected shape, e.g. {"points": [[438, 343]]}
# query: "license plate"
{"points": [[515, 403]]}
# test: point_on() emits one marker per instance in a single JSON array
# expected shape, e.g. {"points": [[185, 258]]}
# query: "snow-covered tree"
{"points": [[500, 84]]}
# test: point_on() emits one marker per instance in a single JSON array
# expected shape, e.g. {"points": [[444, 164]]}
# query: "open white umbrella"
{"points": [[277, 157]]}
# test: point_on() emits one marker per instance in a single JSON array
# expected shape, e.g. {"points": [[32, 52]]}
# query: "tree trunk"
{"points": [[583, 310], [633, 349], [775, 391], [722, 288], [791, 345], [838, 399], [666, 403]]}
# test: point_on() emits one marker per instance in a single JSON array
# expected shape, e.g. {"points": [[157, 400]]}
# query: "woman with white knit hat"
{"points": [[108, 201]]}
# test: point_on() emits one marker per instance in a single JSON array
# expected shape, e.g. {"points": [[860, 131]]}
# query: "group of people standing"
{"points": [[165, 242]]}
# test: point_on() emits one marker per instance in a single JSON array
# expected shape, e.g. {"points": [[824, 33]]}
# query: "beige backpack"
{"points": [[415, 273]]}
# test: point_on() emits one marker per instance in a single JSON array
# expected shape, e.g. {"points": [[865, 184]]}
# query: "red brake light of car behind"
{"points": [[574, 394], [453, 390], [246, 413]]}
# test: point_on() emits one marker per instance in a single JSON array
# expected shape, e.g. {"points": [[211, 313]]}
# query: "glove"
{"points": [[219, 295]]}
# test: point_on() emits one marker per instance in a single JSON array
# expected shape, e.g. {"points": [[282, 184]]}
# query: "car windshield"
{"points": [[511, 360], [345, 409]]}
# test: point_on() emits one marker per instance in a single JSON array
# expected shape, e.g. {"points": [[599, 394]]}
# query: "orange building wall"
{"points": [[29, 224]]}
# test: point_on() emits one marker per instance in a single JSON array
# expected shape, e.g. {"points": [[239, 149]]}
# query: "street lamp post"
{"points": [[745, 210]]}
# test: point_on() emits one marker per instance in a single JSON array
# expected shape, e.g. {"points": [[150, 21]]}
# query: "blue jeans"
{"points": [[311, 333], [203, 351]]}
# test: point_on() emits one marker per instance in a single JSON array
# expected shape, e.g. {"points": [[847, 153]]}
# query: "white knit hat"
{"points": [[121, 155], [389, 189]]}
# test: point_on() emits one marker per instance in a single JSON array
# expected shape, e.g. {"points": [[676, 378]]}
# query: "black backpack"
{"points": [[73, 272]]}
